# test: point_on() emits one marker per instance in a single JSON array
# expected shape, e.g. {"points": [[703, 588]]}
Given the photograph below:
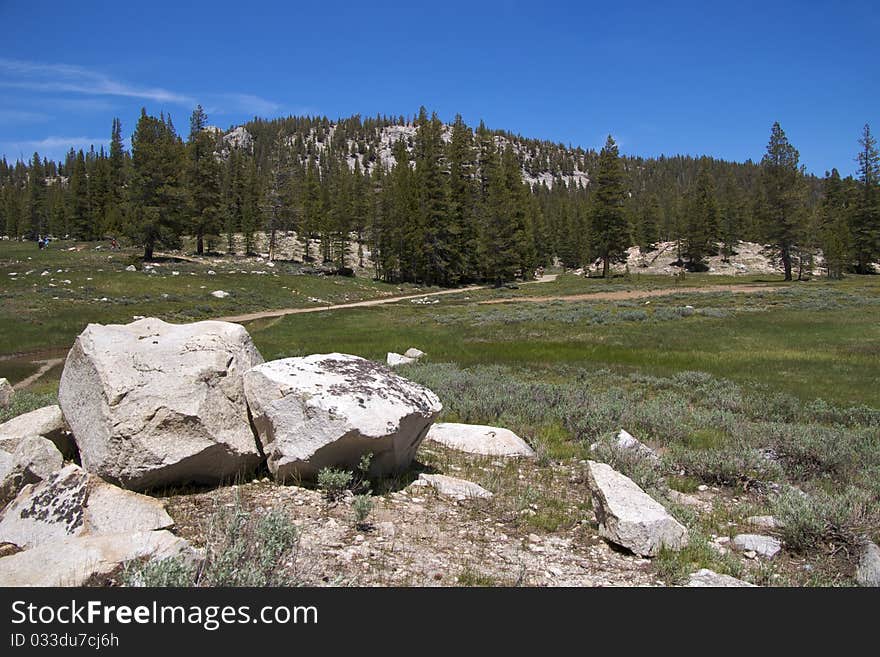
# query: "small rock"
{"points": [[413, 353], [765, 546], [460, 489], [47, 422], [219, 294], [767, 522], [709, 578], [395, 360], [131, 268], [626, 441], [868, 571], [6, 393]]}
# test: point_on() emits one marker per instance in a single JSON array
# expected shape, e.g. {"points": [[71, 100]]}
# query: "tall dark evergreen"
{"points": [[157, 195], [783, 202], [609, 226], [866, 213]]}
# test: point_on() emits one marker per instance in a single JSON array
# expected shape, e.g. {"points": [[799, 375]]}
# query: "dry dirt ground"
{"points": [[415, 537]]}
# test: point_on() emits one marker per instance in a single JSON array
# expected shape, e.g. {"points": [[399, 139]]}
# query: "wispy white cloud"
{"points": [[23, 116], [52, 147], [35, 76]]}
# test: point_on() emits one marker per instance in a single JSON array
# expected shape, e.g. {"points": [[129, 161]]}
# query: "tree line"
{"points": [[441, 204]]}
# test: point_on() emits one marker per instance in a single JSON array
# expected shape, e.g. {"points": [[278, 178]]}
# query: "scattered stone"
{"points": [[479, 439], [688, 500], [868, 571], [395, 360], [6, 393], [459, 489], [220, 294], [131, 268], [329, 410], [72, 561], [709, 578], [153, 404], [626, 441], [47, 422], [765, 546], [629, 517], [413, 353], [767, 522], [73, 502]]}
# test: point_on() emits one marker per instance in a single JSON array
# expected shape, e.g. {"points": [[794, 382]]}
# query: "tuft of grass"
{"points": [[334, 482]]}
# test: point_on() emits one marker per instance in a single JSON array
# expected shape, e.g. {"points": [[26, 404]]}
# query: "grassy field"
{"points": [[763, 395]]}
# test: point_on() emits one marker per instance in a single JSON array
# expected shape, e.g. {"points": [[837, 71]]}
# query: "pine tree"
{"points": [[609, 228], [834, 231], [204, 196], [431, 230], [783, 206], [461, 209], [701, 222], [36, 199], [78, 211], [157, 196], [866, 214]]}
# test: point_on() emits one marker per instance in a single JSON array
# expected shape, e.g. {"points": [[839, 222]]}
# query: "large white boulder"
{"points": [[479, 439], [629, 517], [73, 502], [153, 404], [328, 410], [47, 422], [72, 560]]}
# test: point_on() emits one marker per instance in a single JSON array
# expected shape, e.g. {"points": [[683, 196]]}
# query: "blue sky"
{"points": [[662, 77]]}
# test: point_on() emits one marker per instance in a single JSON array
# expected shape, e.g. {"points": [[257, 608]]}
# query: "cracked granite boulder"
{"points": [[329, 410], [155, 404]]}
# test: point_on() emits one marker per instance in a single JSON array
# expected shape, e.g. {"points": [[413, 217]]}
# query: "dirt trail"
{"points": [[33, 378], [639, 294], [281, 312]]}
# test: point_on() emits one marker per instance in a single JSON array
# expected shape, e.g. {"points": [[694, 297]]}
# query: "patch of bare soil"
{"points": [[639, 294], [537, 530]]}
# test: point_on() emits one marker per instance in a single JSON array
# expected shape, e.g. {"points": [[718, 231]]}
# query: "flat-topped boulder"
{"points": [[153, 404], [479, 439], [329, 410], [47, 422], [73, 502], [73, 560], [629, 517]]}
